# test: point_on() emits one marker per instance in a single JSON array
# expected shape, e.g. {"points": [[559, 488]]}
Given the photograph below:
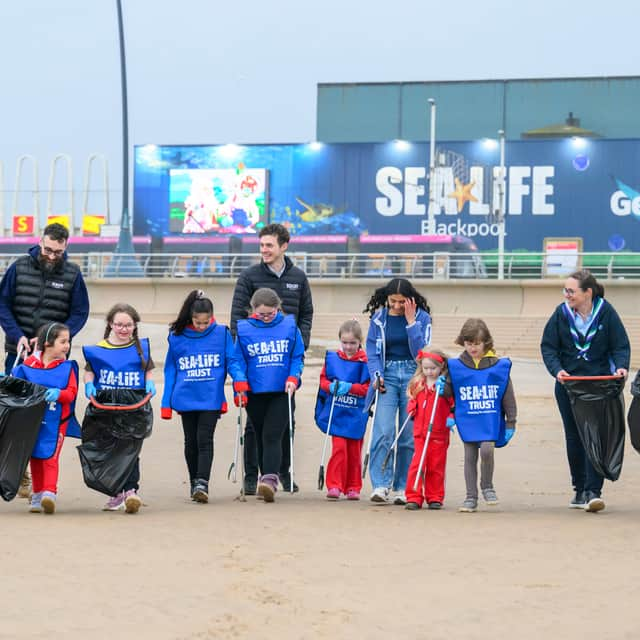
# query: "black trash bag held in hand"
{"points": [[598, 409], [22, 407], [633, 417], [112, 438]]}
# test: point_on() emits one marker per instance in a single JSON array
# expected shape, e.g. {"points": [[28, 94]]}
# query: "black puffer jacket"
{"points": [[292, 287]]}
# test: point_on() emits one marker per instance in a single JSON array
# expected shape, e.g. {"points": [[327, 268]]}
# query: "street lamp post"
{"points": [[501, 207], [431, 210], [130, 266]]}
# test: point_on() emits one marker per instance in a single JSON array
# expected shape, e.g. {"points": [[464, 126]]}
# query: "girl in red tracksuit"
{"points": [[50, 368], [429, 376], [345, 379]]}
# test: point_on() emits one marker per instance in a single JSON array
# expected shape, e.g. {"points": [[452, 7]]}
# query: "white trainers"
{"points": [[48, 502], [400, 498], [36, 506], [380, 494]]}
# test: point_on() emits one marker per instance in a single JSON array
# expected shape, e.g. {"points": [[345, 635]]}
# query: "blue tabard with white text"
{"points": [[349, 419], [200, 369], [117, 367], [55, 378], [267, 351], [478, 397]]}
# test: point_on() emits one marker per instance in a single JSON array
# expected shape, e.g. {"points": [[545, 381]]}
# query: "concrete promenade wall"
{"points": [[159, 298]]}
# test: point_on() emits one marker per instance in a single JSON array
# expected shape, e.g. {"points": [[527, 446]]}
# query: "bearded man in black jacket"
{"points": [[275, 271]]}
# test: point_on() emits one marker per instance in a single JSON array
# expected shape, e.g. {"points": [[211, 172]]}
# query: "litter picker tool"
{"points": [[394, 446], [375, 408], [426, 440], [290, 438], [232, 473], [324, 446], [240, 451]]}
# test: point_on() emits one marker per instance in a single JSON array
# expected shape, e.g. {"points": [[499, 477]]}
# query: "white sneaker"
{"points": [[380, 494], [400, 498]]}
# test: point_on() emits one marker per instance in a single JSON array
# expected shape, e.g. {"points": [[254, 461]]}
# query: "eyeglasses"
{"points": [[568, 292], [268, 315], [119, 325], [48, 251]]}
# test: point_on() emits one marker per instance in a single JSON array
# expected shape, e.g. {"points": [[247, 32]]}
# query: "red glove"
{"points": [[240, 399], [242, 386], [224, 408], [412, 405], [166, 413]]}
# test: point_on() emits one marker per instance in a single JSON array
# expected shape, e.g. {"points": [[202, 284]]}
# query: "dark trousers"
{"points": [[252, 463], [583, 476], [269, 414], [9, 361], [199, 427], [133, 481]]}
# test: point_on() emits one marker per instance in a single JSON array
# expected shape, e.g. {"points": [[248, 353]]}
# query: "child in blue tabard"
{"points": [[200, 353], [121, 361], [344, 382], [50, 368], [270, 353], [485, 408]]}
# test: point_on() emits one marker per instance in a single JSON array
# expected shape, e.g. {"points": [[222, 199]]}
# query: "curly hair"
{"points": [[400, 286]]}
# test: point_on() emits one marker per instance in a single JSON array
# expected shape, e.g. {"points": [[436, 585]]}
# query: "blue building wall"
{"points": [[477, 109]]}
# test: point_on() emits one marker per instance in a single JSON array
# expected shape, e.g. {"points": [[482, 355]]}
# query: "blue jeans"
{"points": [[583, 476], [390, 414]]}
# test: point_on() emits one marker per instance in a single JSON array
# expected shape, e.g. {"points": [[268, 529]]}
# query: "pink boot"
{"points": [[267, 486]]}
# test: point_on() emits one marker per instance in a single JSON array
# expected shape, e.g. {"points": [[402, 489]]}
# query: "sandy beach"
{"points": [[307, 568]]}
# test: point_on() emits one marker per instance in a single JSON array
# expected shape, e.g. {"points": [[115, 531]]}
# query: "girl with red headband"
{"points": [[426, 388]]}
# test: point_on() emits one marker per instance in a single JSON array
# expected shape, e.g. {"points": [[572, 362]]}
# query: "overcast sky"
{"points": [[209, 71]]}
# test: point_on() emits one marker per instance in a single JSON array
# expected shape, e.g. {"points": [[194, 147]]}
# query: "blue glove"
{"points": [[440, 385], [52, 395], [508, 434], [340, 388], [150, 388], [451, 423], [89, 389]]}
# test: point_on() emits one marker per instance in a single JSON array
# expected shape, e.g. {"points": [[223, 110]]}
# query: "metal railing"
{"points": [[437, 266]]}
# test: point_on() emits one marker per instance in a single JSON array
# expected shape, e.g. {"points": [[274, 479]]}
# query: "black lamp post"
{"points": [[124, 266]]}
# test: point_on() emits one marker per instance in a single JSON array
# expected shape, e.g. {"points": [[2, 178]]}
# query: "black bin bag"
{"points": [[633, 418], [598, 409], [22, 407], [112, 436]]}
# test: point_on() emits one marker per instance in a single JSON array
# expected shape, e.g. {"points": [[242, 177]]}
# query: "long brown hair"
{"points": [[122, 307]]}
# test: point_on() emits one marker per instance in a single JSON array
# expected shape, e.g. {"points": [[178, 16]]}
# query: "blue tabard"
{"points": [[267, 351], [117, 367], [57, 378], [349, 418], [478, 397], [201, 369]]}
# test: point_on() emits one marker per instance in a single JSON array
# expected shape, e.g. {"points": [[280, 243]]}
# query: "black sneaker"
{"points": [[593, 502], [250, 486], [285, 481], [412, 506], [578, 501], [435, 505], [200, 492]]}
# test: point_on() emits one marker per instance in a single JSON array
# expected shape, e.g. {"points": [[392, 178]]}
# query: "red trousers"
{"points": [[435, 464], [344, 470], [44, 473]]}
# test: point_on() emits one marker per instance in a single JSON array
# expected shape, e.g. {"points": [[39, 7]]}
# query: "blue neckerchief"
{"points": [[590, 330]]}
